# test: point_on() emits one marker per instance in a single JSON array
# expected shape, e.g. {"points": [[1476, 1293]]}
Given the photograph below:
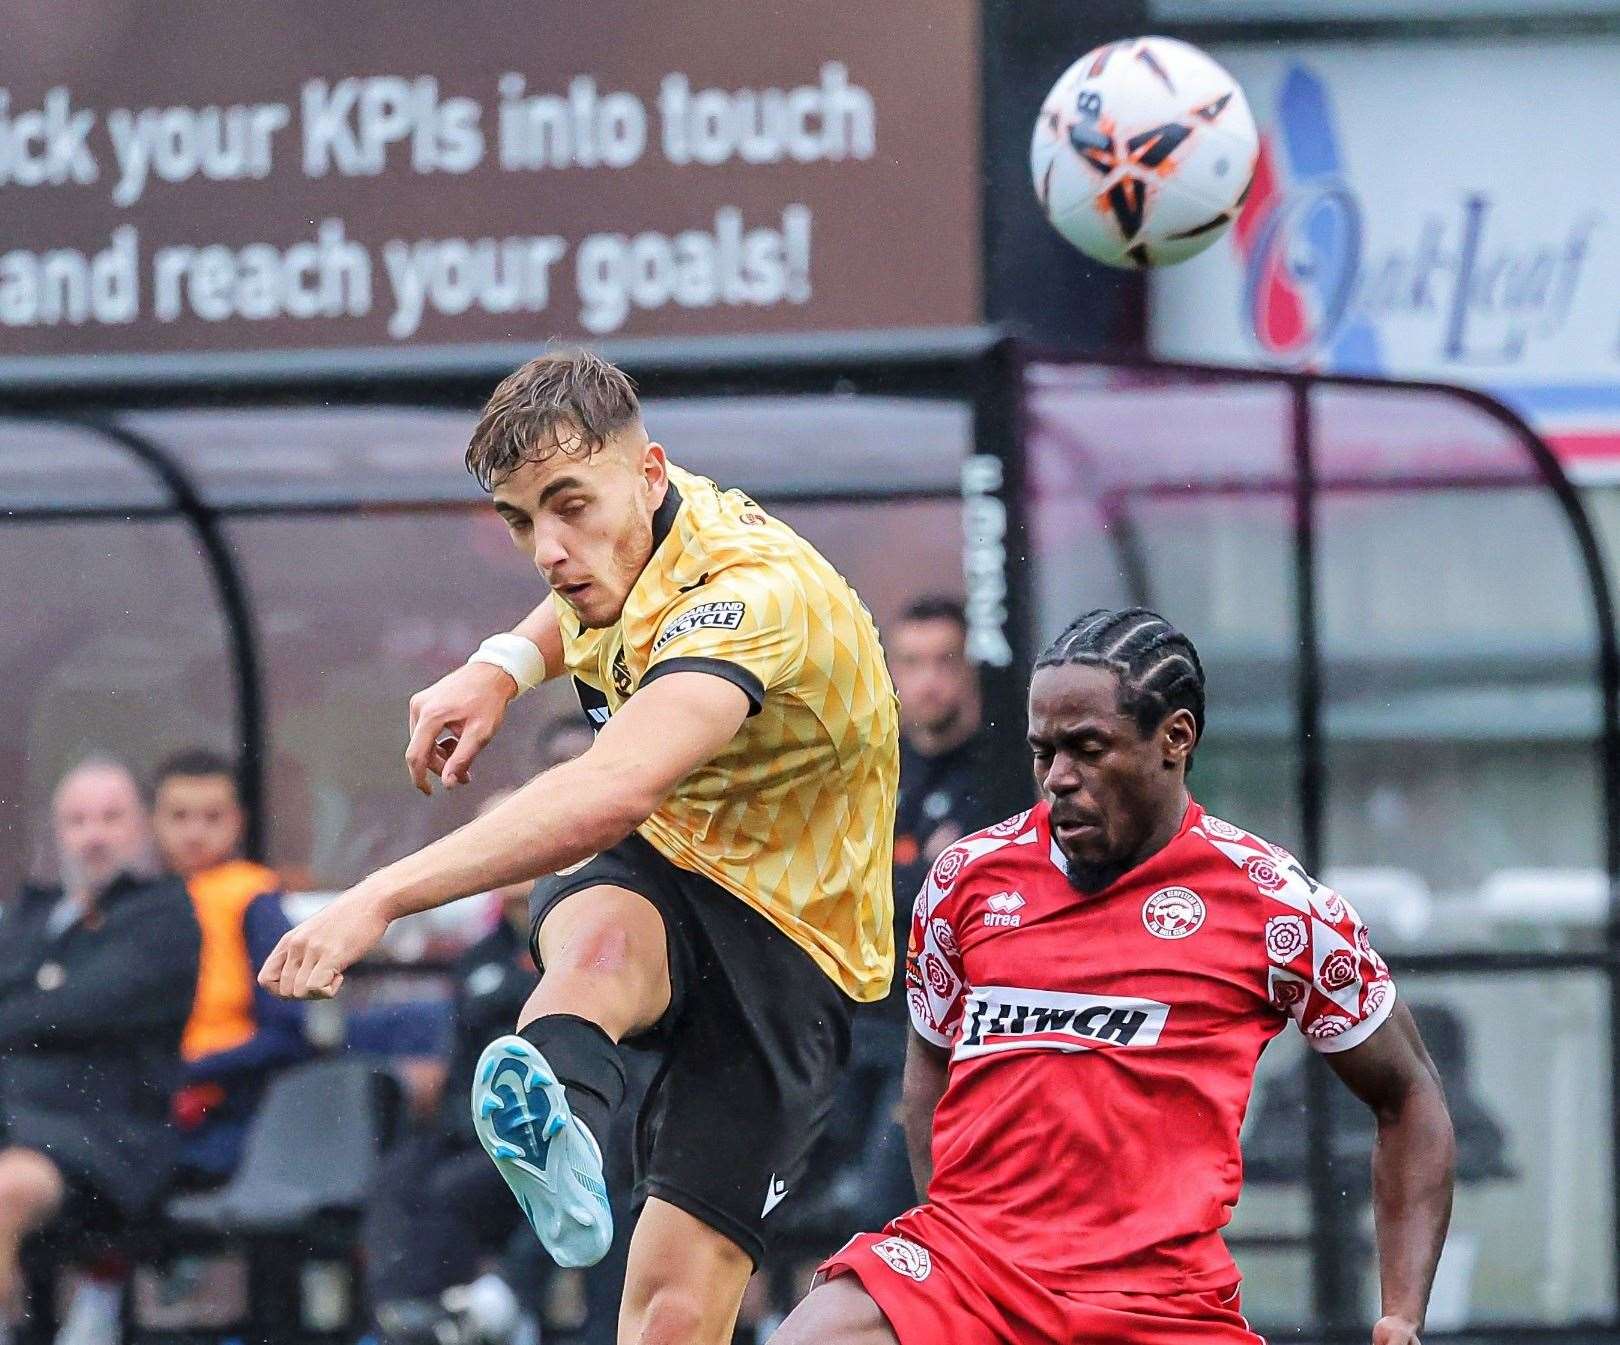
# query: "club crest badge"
{"points": [[1173, 913], [905, 1257]]}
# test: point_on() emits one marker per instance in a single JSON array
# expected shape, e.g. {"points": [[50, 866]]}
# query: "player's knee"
{"points": [[606, 961], [597, 950], [617, 935], [677, 1315]]}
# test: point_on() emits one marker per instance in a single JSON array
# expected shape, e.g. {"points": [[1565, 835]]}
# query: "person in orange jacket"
{"points": [[238, 1034]]}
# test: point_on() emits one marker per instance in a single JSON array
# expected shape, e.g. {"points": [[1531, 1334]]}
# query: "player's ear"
{"points": [[1178, 735], [655, 470]]}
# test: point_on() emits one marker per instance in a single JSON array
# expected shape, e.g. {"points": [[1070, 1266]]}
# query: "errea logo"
{"points": [[1003, 912]]}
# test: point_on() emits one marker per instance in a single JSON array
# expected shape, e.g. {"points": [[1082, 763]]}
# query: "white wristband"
{"points": [[514, 654]]}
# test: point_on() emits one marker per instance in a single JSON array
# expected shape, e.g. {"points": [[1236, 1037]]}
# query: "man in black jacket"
{"points": [[97, 976], [948, 786]]}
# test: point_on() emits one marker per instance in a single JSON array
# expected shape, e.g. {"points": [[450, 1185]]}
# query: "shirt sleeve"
{"points": [[1323, 972], [747, 625], [934, 979]]}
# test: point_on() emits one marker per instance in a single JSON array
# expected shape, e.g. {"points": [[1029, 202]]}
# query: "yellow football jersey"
{"points": [[796, 815]]}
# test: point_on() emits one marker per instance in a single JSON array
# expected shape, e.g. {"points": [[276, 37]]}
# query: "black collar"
{"points": [[664, 519]]}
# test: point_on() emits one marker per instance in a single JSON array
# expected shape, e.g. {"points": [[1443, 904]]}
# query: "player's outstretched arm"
{"points": [[452, 721], [659, 736], [927, 1067], [1412, 1166]]}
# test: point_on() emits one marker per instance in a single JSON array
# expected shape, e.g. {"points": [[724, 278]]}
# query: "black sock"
{"points": [[587, 1063]]}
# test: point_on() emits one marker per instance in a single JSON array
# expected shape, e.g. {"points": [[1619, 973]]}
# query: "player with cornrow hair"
{"points": [[1159, 670], [1091, 984]]}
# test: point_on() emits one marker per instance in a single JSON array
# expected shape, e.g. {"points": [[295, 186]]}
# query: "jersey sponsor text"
{"points": [[705, 616], [1009, 1018]]}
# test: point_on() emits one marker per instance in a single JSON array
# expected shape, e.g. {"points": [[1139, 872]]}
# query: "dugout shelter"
{"points": [[1400, 600]]}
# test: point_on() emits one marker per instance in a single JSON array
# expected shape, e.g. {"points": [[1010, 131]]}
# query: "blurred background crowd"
{"points": [[130, 978]]}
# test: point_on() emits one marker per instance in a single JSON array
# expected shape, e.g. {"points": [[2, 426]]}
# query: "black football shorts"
{"points": [[752, 1045]]}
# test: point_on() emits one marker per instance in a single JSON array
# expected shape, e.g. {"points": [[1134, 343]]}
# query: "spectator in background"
{"points": [[96, 979], [946, 782], [947, 789], [238, 1035], [440, 1209]]}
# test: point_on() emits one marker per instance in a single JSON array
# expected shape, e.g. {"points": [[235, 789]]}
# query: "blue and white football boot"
{"points": [[550, 1160]]}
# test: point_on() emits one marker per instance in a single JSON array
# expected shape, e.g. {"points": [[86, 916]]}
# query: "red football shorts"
{"points": [[941, 1292]]}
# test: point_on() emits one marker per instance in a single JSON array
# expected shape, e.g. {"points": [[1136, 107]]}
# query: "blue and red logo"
{"points": [[1300, 237], [1303, 245]]}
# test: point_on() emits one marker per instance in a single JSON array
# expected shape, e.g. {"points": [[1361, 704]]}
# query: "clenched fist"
{"points": [[1394, 1331], [310, 960]]}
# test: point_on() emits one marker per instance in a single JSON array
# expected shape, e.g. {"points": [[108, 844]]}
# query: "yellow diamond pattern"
{"points": [[796, 815]]}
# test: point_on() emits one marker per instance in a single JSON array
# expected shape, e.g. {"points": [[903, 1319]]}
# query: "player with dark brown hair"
{"points": [[720, 856]]}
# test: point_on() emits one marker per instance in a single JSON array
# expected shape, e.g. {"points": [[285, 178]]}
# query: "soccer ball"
{"points": [[1143, 152]]}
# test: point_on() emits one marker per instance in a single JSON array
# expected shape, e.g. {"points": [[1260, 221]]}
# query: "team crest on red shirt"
{"points": [[1338, 970], [905, 1257], [1173, 913]]}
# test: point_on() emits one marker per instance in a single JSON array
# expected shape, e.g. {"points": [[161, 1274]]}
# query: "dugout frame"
{"points": [[988, 369]]}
